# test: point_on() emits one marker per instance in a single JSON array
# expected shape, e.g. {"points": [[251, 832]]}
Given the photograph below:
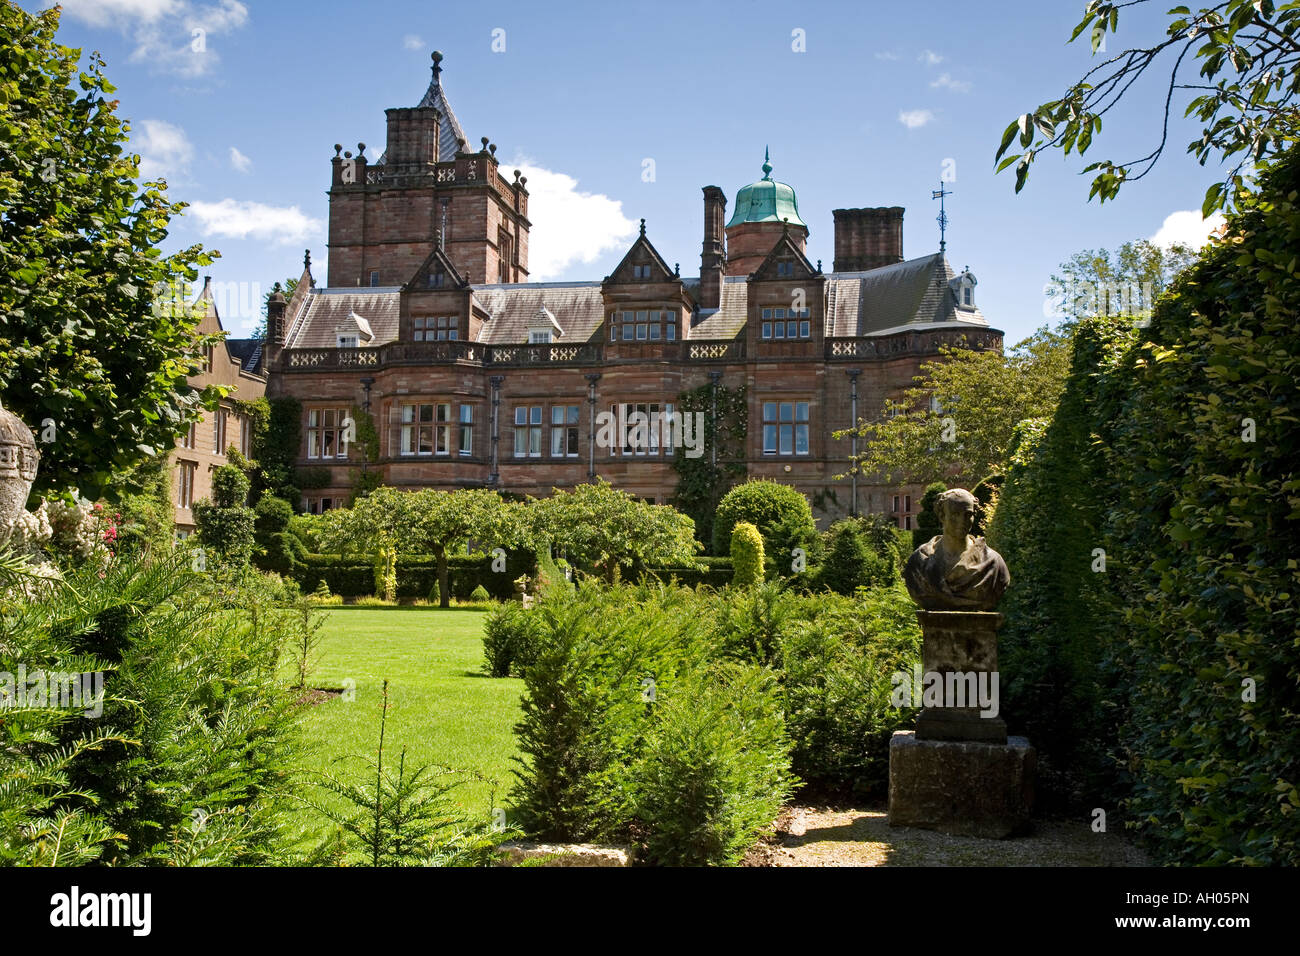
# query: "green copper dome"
{"points": [[766, 201]]}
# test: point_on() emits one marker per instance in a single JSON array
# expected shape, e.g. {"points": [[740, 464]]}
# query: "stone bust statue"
{"points": [[955, 571]]}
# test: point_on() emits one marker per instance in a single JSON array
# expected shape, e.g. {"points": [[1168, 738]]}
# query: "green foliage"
{"points": [[928, 524], [435, 593], [651, 712], [305, 638], [279, 549], [867, 551], [780, 512], [276, 444], [603, 530], [837, 670], [226, 525], [144, 499], [386, 573], [981, 396], [716, 770], [1248, 52], [97, 335], [480, 595], [405, 818], [1198, 527], [1098, 282], [188, 762], [746, 555], [510, 636], [702, 481]]}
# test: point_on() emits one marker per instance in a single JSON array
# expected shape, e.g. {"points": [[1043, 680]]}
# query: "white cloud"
{"points": [[945, 81], [241, 162], [887, 55], [930, 58], [412, 42], [570, 227], [165, 151], [915, 119], [102, 13], [1187, 227], [171, 36], [254, 220]]}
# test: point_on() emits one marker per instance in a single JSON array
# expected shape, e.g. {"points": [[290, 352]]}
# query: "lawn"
{"points": [[440, 705]]}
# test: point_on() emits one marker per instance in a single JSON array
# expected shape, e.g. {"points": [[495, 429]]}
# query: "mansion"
{"points": [[476, 377]]}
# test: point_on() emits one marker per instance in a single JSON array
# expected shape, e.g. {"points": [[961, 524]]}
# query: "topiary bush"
{"points": [[780, 512], [928, 524], [480, 595], [746, 555], [226, 524]]}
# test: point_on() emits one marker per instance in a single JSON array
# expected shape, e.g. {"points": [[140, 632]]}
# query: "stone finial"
{"points": [[484, 141], [436, 56], [338, 148], [19, 459], [642, 228], [361, 150], [306, 262]]}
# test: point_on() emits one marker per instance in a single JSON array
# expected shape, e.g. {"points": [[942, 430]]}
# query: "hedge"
{"points": [[354, 575]]}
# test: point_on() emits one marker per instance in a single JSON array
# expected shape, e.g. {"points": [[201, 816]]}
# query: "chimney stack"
{"points": [[713, 254], [868, 238]]}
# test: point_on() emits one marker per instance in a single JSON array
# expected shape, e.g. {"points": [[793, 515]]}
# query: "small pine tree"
{"points": [[479, 594], [746, 555], [435, 593]]}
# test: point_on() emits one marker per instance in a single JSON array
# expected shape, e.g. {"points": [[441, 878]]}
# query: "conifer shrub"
{"points": [[480, 595], [781, 513], [509, 639]]}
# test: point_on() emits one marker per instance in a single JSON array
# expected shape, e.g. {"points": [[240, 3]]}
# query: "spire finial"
{"points": [[306, 260], [437, 64], [642, 228], [767, 163]]}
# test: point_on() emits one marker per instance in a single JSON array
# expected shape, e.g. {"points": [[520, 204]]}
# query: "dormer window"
{"points": [[643, 325], [963, 289], [785, 269], [539, 337], [374, 279], [641, 272], [347, 341], [544, 327], [436, 279]]}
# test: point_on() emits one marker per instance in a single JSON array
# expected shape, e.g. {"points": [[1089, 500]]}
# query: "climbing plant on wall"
{"points": [[703, 480]]}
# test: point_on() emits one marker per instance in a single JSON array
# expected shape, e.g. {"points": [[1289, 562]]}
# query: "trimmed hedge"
{"points": [[354, 576]]}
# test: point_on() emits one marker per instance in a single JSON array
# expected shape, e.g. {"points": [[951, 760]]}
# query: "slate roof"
{"points": [[247, 352], [910, 295]]}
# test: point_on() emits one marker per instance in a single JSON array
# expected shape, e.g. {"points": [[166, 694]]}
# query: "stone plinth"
{"points": [[961, 643], [967, 788]]}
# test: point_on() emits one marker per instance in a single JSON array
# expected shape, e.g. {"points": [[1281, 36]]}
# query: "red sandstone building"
{"points": [[476, 377]]}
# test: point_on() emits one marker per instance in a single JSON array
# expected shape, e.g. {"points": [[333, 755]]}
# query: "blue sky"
{"points": [[582, 94]]}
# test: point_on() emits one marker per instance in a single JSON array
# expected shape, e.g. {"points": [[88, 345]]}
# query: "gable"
{"points": [[642, 264], [785, 262]]}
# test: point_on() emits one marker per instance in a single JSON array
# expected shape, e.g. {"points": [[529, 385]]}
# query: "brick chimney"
{"points": [[275, 330], [868, 238], [713, 254], [413, 136]]}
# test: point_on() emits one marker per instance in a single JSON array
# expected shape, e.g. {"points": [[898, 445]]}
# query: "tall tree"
{"points": [[956, 424], [1244, 92], [96, 334], [1127, 281]]}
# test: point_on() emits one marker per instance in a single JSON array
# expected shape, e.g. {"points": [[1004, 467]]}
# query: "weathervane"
{"points": [[942, 218]]}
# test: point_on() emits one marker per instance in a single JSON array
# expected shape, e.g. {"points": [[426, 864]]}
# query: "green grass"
{"points": [[441, 706]]}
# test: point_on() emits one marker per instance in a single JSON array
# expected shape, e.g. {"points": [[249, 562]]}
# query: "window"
{"points": [[505, 255], [467, 429], [785, 269], [321, 505], [207, 358], [436, 279], [644, 325], [641, 272], [528, 431], [785, 428], [348, 342], [188, 437], [966, 295], [786, 324], [426, 429], [325, 433], [219, 432], [539, 336], [441, 328], [649, 433], [374, 279], [185, 489], [564, 431], [245, 438]]}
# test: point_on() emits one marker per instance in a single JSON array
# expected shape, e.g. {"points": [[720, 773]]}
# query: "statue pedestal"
{"points": [[966, 788], [962, 648]]}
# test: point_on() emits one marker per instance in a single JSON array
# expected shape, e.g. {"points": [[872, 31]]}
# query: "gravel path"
{"points": [[810, 836]]}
